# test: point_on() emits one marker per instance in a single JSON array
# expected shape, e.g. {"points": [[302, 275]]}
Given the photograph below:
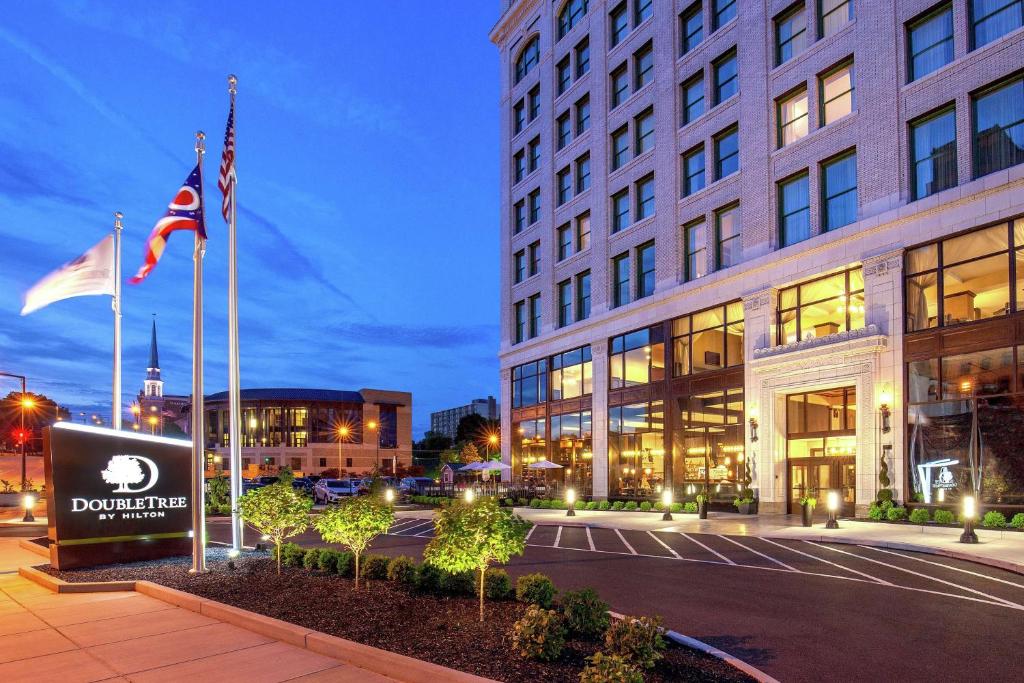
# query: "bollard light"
{"points": [[570, 499], [666, 502], [389, 495], [233, 553], [969, 513], [832, 504], [469, 495], [29, 502]]}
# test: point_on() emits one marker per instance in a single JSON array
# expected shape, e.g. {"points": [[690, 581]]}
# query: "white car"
{"points": [[332, 490]]}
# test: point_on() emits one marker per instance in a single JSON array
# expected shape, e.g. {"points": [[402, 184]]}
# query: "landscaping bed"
{"points": [[384, 614]]}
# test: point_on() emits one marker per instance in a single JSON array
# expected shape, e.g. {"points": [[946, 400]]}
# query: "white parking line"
{"points": [[426, 532], [674, 553], [590, 539], [558, 536], [405, 523], [757, 552], [1008, 603], [530, 532], [625, 542], [820, 559], [946, 566], [710, 550], [404, 531]]}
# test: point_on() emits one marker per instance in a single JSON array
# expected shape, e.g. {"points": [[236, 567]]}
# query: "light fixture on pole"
{"points": [[29, 502], [832, 503], [970, 512], [570, 499], [372, 426], [666, 503]]}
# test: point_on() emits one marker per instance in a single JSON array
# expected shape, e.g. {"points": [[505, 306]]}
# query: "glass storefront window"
{"points": [[571, 374], [571, 440], [637, 358], [529, 445], [708, 340], [978, 374], [708, 448], [530, 384], [636, 450], [824, 306]]}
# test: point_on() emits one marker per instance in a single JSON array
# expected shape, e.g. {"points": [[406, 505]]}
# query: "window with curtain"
{"points": [[792, 117], [933, 153], [695, 247], [930, 42], [998, 128], [790, 34], [992, 19], [833, 15], [693, 171], [794, 210], [839, 191], [820, 307], [728, 237], [583, 231]]}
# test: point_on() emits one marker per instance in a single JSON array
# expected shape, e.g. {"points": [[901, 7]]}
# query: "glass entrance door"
{"points": [[821, 448]]}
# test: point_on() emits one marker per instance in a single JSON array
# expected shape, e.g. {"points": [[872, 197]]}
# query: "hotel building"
{"points": [[767, 241]]}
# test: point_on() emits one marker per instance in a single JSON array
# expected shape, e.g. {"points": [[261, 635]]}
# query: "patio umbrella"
{"points": [[494, 465], [543, 465], [472, 467]]}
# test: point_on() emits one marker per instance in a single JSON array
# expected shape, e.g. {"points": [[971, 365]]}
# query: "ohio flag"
{"points": [[185, 212]]}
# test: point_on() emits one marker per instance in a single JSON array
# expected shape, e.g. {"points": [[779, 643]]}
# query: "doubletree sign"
{"points": [[115, 496]]}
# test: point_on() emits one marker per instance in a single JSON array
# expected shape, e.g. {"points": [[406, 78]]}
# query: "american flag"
{"points": [[185, 212], [226, 180]]}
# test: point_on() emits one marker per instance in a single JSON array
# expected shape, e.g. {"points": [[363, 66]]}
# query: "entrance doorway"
{"points": [[821, 447]]}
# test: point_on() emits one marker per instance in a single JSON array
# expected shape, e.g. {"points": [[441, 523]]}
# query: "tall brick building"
{"points": [[764, 239]]}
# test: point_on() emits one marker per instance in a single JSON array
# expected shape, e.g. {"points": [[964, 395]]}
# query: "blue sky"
{"points": [[368, 191]]}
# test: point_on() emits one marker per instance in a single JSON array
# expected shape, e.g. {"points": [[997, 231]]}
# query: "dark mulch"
{"points": [[444, 630]]}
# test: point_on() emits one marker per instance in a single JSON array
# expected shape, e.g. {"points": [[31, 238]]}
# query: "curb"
{"points": [[701, 646], [375, 660], [33, 547]]}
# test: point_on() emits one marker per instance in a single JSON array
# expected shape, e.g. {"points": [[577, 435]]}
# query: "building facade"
{"points": [[155, 412], [447, 421], [764, 244]]}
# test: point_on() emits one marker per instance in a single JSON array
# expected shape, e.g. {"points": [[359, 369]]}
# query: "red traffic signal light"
{"points": [[19, 435]]}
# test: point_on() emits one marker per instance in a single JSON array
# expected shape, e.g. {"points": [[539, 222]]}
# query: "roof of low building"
{"points": [[291, 394]]}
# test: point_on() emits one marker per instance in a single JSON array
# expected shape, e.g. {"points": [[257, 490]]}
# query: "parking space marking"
{"points": [[710, 550], [758, 552], [407, 529], [558, 536], [945, 566], [530, 532], [664, 545], [429, 531], [834, 564], [590, 538], [405, 523], [625, 542], [923, 576]]}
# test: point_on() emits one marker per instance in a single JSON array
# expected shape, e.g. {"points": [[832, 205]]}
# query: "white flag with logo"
{"points": [[90, 273]]}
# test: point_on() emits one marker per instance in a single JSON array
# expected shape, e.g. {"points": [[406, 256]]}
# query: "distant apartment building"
{"points": [[768, 240], [447, 421]]}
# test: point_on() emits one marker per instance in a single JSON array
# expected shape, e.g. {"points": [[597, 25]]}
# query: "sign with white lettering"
{"points": [[115, 496]]}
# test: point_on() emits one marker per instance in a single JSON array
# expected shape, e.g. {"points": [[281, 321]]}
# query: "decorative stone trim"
{"points": [[865, 332], [881, 265], [757, 301]]}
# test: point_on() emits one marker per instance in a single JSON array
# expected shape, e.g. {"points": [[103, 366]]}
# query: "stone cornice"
{"points": [[820, 351], [511, 19]]}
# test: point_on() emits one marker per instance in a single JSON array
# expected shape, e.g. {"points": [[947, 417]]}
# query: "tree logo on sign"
{"points": [[126, 470]]}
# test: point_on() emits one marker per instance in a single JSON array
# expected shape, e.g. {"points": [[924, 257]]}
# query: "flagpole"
{"points": [[116, 304], [198, 412], [234, 374]]}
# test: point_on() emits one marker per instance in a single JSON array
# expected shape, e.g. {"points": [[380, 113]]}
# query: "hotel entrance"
{"points": [[821, 447]]}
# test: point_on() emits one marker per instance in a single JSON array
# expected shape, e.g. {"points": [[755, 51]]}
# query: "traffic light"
{"points": [[20, 436]]}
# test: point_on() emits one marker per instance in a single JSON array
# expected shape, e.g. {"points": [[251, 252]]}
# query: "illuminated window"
{"points": [[792, 117], [636, 450], [837, 96], [708, 340], [820, 307], [637, 358], [571, 374], [833, 15], [583, 231]]}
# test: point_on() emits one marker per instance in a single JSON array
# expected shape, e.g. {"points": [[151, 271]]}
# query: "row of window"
{"points": [[570, 377], [727, 161], [619, 80], [930, 36], [838, 182], [725, 83]]}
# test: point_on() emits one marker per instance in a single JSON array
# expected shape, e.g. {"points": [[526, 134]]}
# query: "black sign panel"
{"points": [[115, 496]]}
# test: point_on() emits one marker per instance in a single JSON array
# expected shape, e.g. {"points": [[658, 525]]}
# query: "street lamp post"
{"points": [[342, 434], [970, 511], [372, 426], [24, 398], [152, 424]]}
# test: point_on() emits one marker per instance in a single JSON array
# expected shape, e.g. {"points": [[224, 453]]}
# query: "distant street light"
{"points": [[152, 424], [372, 426], [342, 436], [25, 403]]}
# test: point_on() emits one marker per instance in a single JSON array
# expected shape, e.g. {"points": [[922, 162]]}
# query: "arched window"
{"points": [[572, 13], [528, 58]]}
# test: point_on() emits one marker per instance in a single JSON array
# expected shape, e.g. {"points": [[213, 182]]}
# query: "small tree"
{"points": [[285, 475], [470, 453], [354, 523], [470, 537], [278, 510]]}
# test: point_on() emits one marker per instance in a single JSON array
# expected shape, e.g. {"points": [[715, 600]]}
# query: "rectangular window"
{"points": [[534, 154], [534, 98], [695, 248], [519, 216], [708, 340], [645, 197], [643, 67], [727, 153], [620, 210], [563, 74], [534, 206], [839, 191], [564, 242], [564, 303], [530, 385], [645, 270], [991, 19], [637, 358], [564, 182], [693, 171], [930, 43], [792, 116], [583, 231], [643, 129], [722, 12], [563, 130], [582, 51], [619, 85], [642, 10], [728, 237], [583, 173], [519, 165], [518, 116], [534, 250], [582, 114], [833, 15], [583, 295], [726, 80], [619, 23], [571, 376], [693, 98], [620, 280], [534, 316], [794, 210], [519, 265], [837, 98], [620, 147], [790, 34], [998, 128], [820, 307], [933, 150], [691, 28], [520, 322]]}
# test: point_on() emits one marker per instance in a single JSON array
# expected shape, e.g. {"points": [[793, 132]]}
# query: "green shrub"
{"points": [[637, 641], [592, 505], [328, 561], [617, 505], [919, 515], [1018, 521], [522, 502], [509, 503], [689, 506], [585, 613], [896, 514], [885, 495], [535, 589], [535, 503], [944, 517], [545, 504], [557, 504], [497, 584], [607, 668], [659, 506], [604, 505], [458, 583], [994, 520], [428, 578], [292, 555], [311, 560], [878, 511], [345, 564], [402, 570], [646, 506], [539, 634], [374, 567], [631, 506]]}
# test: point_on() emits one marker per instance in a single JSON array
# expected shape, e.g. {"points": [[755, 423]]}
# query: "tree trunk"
{"points": [[278, 543], [357, 571], [483, 570]]}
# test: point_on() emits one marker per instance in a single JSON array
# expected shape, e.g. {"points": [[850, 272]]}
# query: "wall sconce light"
{"points": [[753, 429], [885, 408]]}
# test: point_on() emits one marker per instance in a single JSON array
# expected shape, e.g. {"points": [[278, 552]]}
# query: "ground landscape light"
{"points": [[970, 511], [666, 503], [570, 498], [469, 495], [832, 503], [389, 495]]}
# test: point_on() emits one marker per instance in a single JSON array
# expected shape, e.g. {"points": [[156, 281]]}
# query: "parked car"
{"points": [[302, 484], [258, 483], [332, 490], [415, 485]]}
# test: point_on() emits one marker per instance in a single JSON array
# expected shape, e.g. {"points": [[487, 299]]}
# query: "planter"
{"points": [[11, 500], [806, 514], [747, 508], [702, 509]]}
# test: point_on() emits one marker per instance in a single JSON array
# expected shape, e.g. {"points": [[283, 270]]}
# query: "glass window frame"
{"points": [[564, 185], [720, 62], [643, 75], [920, 22], [536, 316], [720, 263], [563, 75], [645, 205], [913, 127], [618, 85], [783, 20], [621, 210], [583, 295], [564, 303], [722, 12], [643, 141], [694, 11], [581, 109], [975, 21], [783, 125], [826, 197], [799, 304], [645, 271], [823, 17], [720, 138], [689, 334], [691, 253], [978, 155], [786, 213], [689, 116], [618, 24], [528, 59], [689, 185], [823, 103], [582, 168], [565, 242], [620, 281]]}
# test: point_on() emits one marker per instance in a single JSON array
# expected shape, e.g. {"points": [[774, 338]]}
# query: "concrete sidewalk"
{"points": [[1003, 549]]}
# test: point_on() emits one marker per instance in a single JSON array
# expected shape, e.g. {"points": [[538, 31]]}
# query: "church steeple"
{"points": [[154, 386]]}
